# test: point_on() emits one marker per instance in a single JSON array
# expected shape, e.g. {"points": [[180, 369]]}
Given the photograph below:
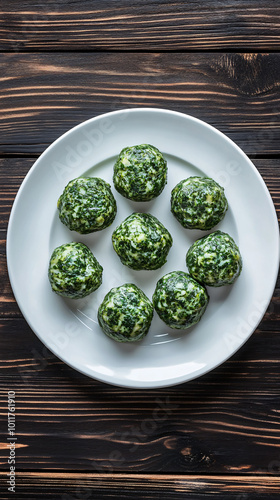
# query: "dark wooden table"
{"points": [[63, 62]]}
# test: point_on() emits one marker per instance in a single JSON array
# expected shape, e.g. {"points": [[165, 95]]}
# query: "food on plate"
{"points": [[140, 172], [214, 260], [179, 300], [198, 203], [73, 271], [142, 242], [126, 313], [87, 205]]}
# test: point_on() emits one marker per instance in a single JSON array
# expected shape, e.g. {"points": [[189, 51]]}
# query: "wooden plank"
{"points": [[8, 305], [145, 25], [75, 486], [226, 422], [43, 95]]}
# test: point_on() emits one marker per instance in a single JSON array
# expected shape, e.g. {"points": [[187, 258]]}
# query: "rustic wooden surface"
{"points": [[64, 486], [63, 62], [147, 25], [61, 90]]}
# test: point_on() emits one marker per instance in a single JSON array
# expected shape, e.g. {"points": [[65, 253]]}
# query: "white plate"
{"points": [[69, 328]]}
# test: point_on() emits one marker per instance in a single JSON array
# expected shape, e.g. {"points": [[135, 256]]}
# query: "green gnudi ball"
{"points": [[140, 172], [126, 313], [73, 271], [179, 300], [214, 260], [142, 242], [87, 205], [198, 203]]}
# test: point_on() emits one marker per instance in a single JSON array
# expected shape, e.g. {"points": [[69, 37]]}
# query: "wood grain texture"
{"points": [[43, 95], [146, 25], [226, 422], [75, 486]]}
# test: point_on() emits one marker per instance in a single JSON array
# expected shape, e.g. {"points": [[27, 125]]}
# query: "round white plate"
{"points": [[69, 328]]}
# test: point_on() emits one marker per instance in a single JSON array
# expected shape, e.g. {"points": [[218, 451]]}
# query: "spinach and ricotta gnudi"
{"points": [[73, 271], [198, 203], [179, 300], [214, 260], [126, 313], [140, 172], [86, 205], [142, 242]]}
